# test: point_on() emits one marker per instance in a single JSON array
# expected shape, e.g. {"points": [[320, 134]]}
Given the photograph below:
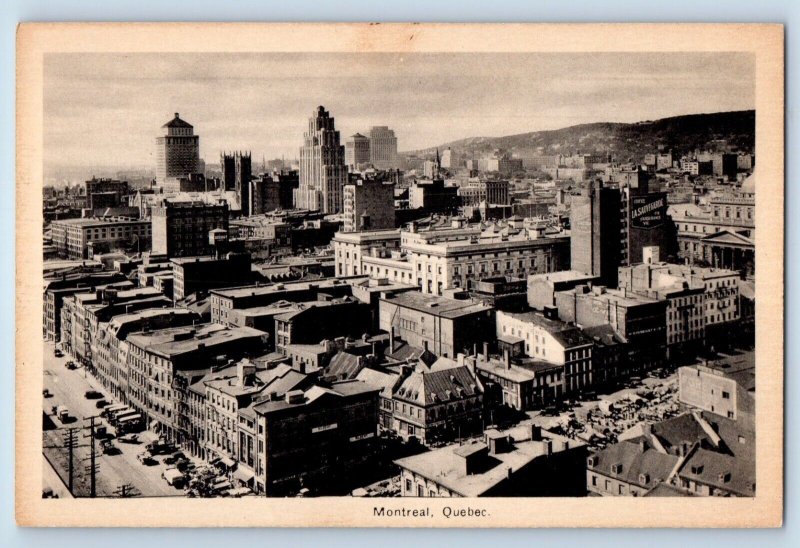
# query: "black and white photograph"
{"points": [[400, 275]]}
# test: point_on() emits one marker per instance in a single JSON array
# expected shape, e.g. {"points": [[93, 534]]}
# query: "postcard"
{"points": [[399, 275]]}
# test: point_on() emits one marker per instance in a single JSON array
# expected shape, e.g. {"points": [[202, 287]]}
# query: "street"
{"points": [[114, 470]]}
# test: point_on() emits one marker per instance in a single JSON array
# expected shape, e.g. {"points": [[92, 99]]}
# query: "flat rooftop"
{"points": [[437, 306], [445, 466]]}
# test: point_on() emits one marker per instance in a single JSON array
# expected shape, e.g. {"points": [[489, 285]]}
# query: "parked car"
{"points": [[172, 459], [92, 395], [70, 365], [58, 353], [129, 438], [174, 477], [146, 458], [101, 404]]}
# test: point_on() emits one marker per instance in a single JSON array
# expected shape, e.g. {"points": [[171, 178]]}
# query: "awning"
{"points": [[227, 461], [245, 475]]}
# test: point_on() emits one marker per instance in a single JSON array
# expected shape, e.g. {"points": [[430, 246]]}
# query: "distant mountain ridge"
{"points": [[623, 140]]}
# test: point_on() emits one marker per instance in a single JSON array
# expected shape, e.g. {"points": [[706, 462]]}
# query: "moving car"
{"points": [[70, 365], [92, 395], [101, 404], [146, 458], [58, 353], [46, 393]]}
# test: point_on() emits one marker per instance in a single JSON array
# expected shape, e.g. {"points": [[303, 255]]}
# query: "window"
{"points": [[408, 486], [420, 491], [726, 395]]}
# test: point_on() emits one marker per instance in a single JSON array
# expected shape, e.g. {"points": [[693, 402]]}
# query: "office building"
{"points": [[383, 148], [83, 238], [181, 229], [177, 150], [368, 205], [357, 151], [193, 274], [595, 232], [323, 171]]}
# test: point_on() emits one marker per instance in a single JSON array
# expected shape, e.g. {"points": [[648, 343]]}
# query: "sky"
{"points": [[105, 109]]}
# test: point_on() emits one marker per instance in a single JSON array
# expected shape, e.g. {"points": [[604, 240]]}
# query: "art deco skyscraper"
{"points": [[177, 150], [323, 172]]}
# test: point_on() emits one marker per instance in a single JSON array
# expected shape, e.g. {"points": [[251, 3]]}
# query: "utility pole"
{"points": [[70, 442], [92, 468]]}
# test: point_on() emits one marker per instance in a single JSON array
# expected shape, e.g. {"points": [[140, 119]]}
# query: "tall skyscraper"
{"points": [[595, 232], [382, 147], [356, 151], [177, 150], [323, 171]]}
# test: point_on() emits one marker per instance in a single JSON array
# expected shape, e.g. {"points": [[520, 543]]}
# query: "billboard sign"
{"points": [[648, 211]]}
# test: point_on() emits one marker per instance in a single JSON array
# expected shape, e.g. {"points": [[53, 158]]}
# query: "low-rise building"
{"points": [[154, 358], [549, 340], [438, 403], [639, 321], [315, 438], [725, 387], [443, 326], [193, 274], [73, 238], [522, 462]]}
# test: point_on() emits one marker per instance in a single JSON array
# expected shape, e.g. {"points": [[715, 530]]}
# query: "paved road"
{"points": [[68, 388]]}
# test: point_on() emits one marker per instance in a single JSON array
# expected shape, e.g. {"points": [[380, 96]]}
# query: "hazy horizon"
{"points": [[106, 109]]}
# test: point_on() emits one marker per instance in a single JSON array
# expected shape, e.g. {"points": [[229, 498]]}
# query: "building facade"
{"points": [[357, 151], [82, 238], [323, 171], [181, 229], [177, 150], [383, 148], [368, 205]]}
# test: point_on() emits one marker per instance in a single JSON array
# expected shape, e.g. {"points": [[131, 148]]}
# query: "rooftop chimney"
{"points": [[391, 340], [506, 358]]}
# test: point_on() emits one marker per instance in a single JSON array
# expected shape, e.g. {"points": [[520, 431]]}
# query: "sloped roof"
{"points": [[178, 122], [379, 379], [728, 237], [438, 386], [635, 462], [720, 470], [343, 366]]}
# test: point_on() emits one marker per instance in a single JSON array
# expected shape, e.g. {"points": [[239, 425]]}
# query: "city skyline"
{"points": [[97, 113]]}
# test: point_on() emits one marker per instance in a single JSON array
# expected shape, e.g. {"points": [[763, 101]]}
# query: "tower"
{"points": [[237, 171], [323, 172], [382, 147], [177, 150], [595, 232]]}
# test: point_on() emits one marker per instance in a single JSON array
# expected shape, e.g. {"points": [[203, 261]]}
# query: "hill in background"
{"points": [[714, 132]]}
